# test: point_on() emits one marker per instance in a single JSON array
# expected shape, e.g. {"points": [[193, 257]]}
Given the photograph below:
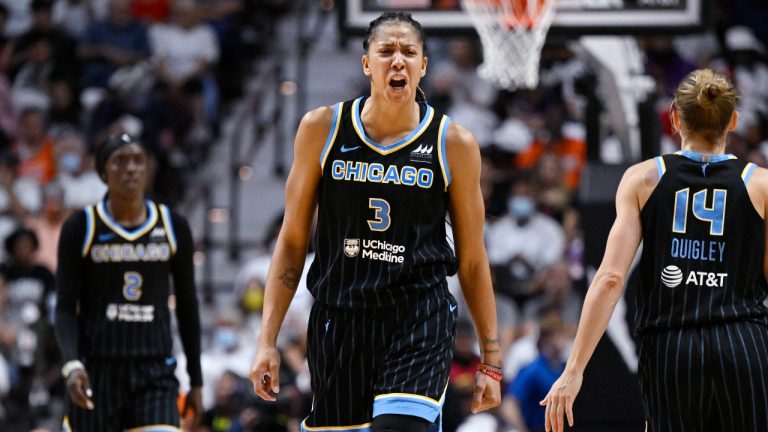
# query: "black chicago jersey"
{"points": [[124, 282], [381, 231], [703, 245]]}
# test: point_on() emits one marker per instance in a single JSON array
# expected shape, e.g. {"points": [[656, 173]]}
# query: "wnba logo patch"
{"points": [[351, 247], [423, 153], [671, 276]]}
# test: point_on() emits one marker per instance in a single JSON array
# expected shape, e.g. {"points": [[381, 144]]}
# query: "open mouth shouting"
{"points": [[398, 84]]}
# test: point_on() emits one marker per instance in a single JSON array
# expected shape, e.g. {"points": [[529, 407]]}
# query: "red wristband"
{"points": [[492, 371]]}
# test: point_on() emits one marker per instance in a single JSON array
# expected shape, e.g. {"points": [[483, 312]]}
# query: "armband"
{"points": [[70, 367], [492, 371]]}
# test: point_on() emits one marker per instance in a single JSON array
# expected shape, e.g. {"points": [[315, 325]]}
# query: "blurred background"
{"points": [[215, 88]]}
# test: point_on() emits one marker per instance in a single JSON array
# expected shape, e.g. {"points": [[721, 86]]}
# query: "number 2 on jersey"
{"points": [[132, 283], [381, 214], [715, 215]]}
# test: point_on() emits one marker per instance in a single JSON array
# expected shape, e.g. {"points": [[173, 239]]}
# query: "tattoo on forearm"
{"points": [[491, 351], [489, 341], [290, 278]]}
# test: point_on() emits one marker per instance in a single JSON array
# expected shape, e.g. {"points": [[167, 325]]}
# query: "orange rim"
{"points": [[527, 13]]}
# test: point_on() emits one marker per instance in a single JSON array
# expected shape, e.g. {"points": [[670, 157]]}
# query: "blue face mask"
{"points": [[521, 206], [70, 162], [226, 338]]}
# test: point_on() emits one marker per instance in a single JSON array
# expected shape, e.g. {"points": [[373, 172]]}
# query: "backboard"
{"points": [[573, 17]]}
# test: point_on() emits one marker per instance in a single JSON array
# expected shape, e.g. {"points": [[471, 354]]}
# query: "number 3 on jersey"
{"points": [[132, 283], [715, 215], [381, 214]]}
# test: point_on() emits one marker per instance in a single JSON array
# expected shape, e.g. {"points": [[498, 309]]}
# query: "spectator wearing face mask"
{"points": [[225, 352], [522, 243], [78, 179]]}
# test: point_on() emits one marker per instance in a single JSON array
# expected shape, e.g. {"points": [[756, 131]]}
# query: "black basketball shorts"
{"points": [[706, 378], [128, 394], [369, 362]]}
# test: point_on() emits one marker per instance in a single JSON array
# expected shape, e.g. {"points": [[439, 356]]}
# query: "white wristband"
{"points": [[70, 367]]}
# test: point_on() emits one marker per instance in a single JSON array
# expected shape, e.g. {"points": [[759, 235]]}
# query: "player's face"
{"points": [[126, 170], [395, 61]]}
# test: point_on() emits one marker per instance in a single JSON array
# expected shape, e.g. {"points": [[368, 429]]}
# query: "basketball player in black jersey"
{"points": [[701, 324], [113, 323], [382, 171]]}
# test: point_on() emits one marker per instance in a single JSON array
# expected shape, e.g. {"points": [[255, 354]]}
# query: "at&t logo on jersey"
{"points": [[672, 277], [351, 247], [423, 153]]}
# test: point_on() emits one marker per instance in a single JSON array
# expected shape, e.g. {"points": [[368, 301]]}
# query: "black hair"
{"points": [[14, 237], [392, 17], [109, 146]]}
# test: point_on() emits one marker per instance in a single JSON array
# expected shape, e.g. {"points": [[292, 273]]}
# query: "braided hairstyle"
{"points": [[394, 17]]}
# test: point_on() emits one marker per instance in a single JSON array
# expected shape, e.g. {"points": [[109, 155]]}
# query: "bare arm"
{"points": [[467, 214], [604, 292], [291, 247]]}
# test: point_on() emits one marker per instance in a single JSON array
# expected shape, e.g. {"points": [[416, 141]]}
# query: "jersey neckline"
{"points": [[125, 232], [705, 158], [357, 123]]}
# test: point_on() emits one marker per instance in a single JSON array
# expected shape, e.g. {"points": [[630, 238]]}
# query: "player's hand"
{"points": [[487, 393], [265, 373], [192, 412], [79, 388], [560, 400]]}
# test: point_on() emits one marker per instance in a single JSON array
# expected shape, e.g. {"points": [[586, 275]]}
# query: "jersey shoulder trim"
{"points": [[442, 155], [90, 229], [661, 167], [335, 122], [357, 124], [124, 233], [746, 173], [165, 215]]}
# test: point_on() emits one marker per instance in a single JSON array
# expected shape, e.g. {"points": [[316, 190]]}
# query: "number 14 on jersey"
{"points": [[715, 214]]}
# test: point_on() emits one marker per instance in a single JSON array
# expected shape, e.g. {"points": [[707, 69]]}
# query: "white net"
{"points": [[513, 34]]}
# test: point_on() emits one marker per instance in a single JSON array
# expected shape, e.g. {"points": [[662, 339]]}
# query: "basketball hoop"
{"points": [[513, 34]]}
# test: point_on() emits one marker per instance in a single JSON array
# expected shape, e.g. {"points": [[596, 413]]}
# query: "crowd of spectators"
{"points": [[72, 71]]}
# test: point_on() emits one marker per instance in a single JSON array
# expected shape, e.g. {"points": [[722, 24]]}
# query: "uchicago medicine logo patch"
{"points": [[351, 247]]}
